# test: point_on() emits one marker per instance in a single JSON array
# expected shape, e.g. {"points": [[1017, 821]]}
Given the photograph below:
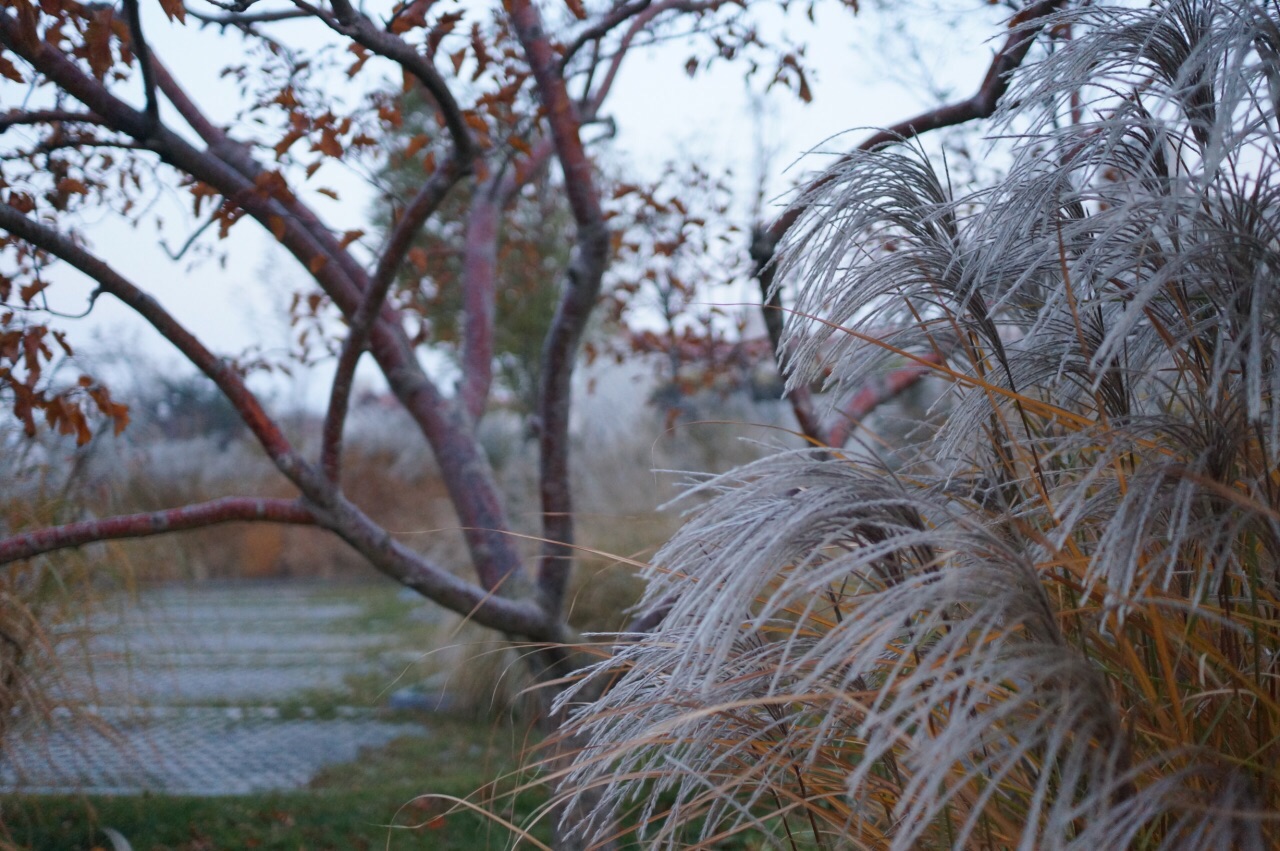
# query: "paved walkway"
{"points": [[204, 691]]}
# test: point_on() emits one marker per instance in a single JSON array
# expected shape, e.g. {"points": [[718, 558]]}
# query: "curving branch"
{"points": [[347, 21], [1023, 29], [424, 204], [221, 373], [143, 51], [619, 15], [581, 290], [324, 504], [226, 510], [641, 18], [247, 19], [229, 168], [877, 392]]}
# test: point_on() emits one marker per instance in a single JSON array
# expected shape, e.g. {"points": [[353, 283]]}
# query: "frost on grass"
{"points": [[1052, 621]]}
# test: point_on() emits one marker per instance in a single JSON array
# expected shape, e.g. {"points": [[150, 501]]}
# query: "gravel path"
{"points": [[189, 685]]}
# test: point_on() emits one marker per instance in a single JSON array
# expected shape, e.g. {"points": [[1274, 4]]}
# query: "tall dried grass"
{"points": [[1053, 621]]}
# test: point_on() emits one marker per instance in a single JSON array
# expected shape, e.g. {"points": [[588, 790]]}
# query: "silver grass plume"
{"points": [[1055, 622]]}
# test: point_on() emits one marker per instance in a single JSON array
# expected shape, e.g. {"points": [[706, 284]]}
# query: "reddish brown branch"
{"points": [[264, 428], [875, 393], [1023, 29], [480, 283], [426, 202], [643, 17], [580, 294], [326, 506], [480, 272], [351, 23], [226, 510]]}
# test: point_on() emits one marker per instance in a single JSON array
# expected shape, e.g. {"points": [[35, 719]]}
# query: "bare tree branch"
{"points": [[291, 212], [426, 202], [225, 510], [248, 19], [349, 22], [480, 271], [643, 17], [326, 505], [616, 17], [264, 428], [581, 290], [143, 52], [18, 117]]}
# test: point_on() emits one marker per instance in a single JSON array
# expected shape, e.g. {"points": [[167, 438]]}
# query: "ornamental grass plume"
{"points": [[1053, 620]]}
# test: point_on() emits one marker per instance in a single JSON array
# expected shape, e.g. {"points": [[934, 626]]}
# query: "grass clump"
{"points": [[1052, 620]]}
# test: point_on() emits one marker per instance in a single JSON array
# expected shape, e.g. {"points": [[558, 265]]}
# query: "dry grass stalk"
{"points": [[1054, 622]]}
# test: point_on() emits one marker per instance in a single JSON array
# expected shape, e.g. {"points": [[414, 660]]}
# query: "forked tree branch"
{"points": [[641, 18], [423, 205], [305, 238], [229, 169], [324, 254], [324, 504], [347, 21], [1023, 28], [143, 52], [616, 17], [225, 510]]}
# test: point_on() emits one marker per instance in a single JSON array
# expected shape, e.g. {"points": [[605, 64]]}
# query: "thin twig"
{"points": [[600, 29], [112, 282], [18, 117], [248, 19]]}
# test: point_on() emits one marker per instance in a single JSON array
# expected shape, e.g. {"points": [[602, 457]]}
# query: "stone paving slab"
{"points": [[197, 752], [185, 683]]}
